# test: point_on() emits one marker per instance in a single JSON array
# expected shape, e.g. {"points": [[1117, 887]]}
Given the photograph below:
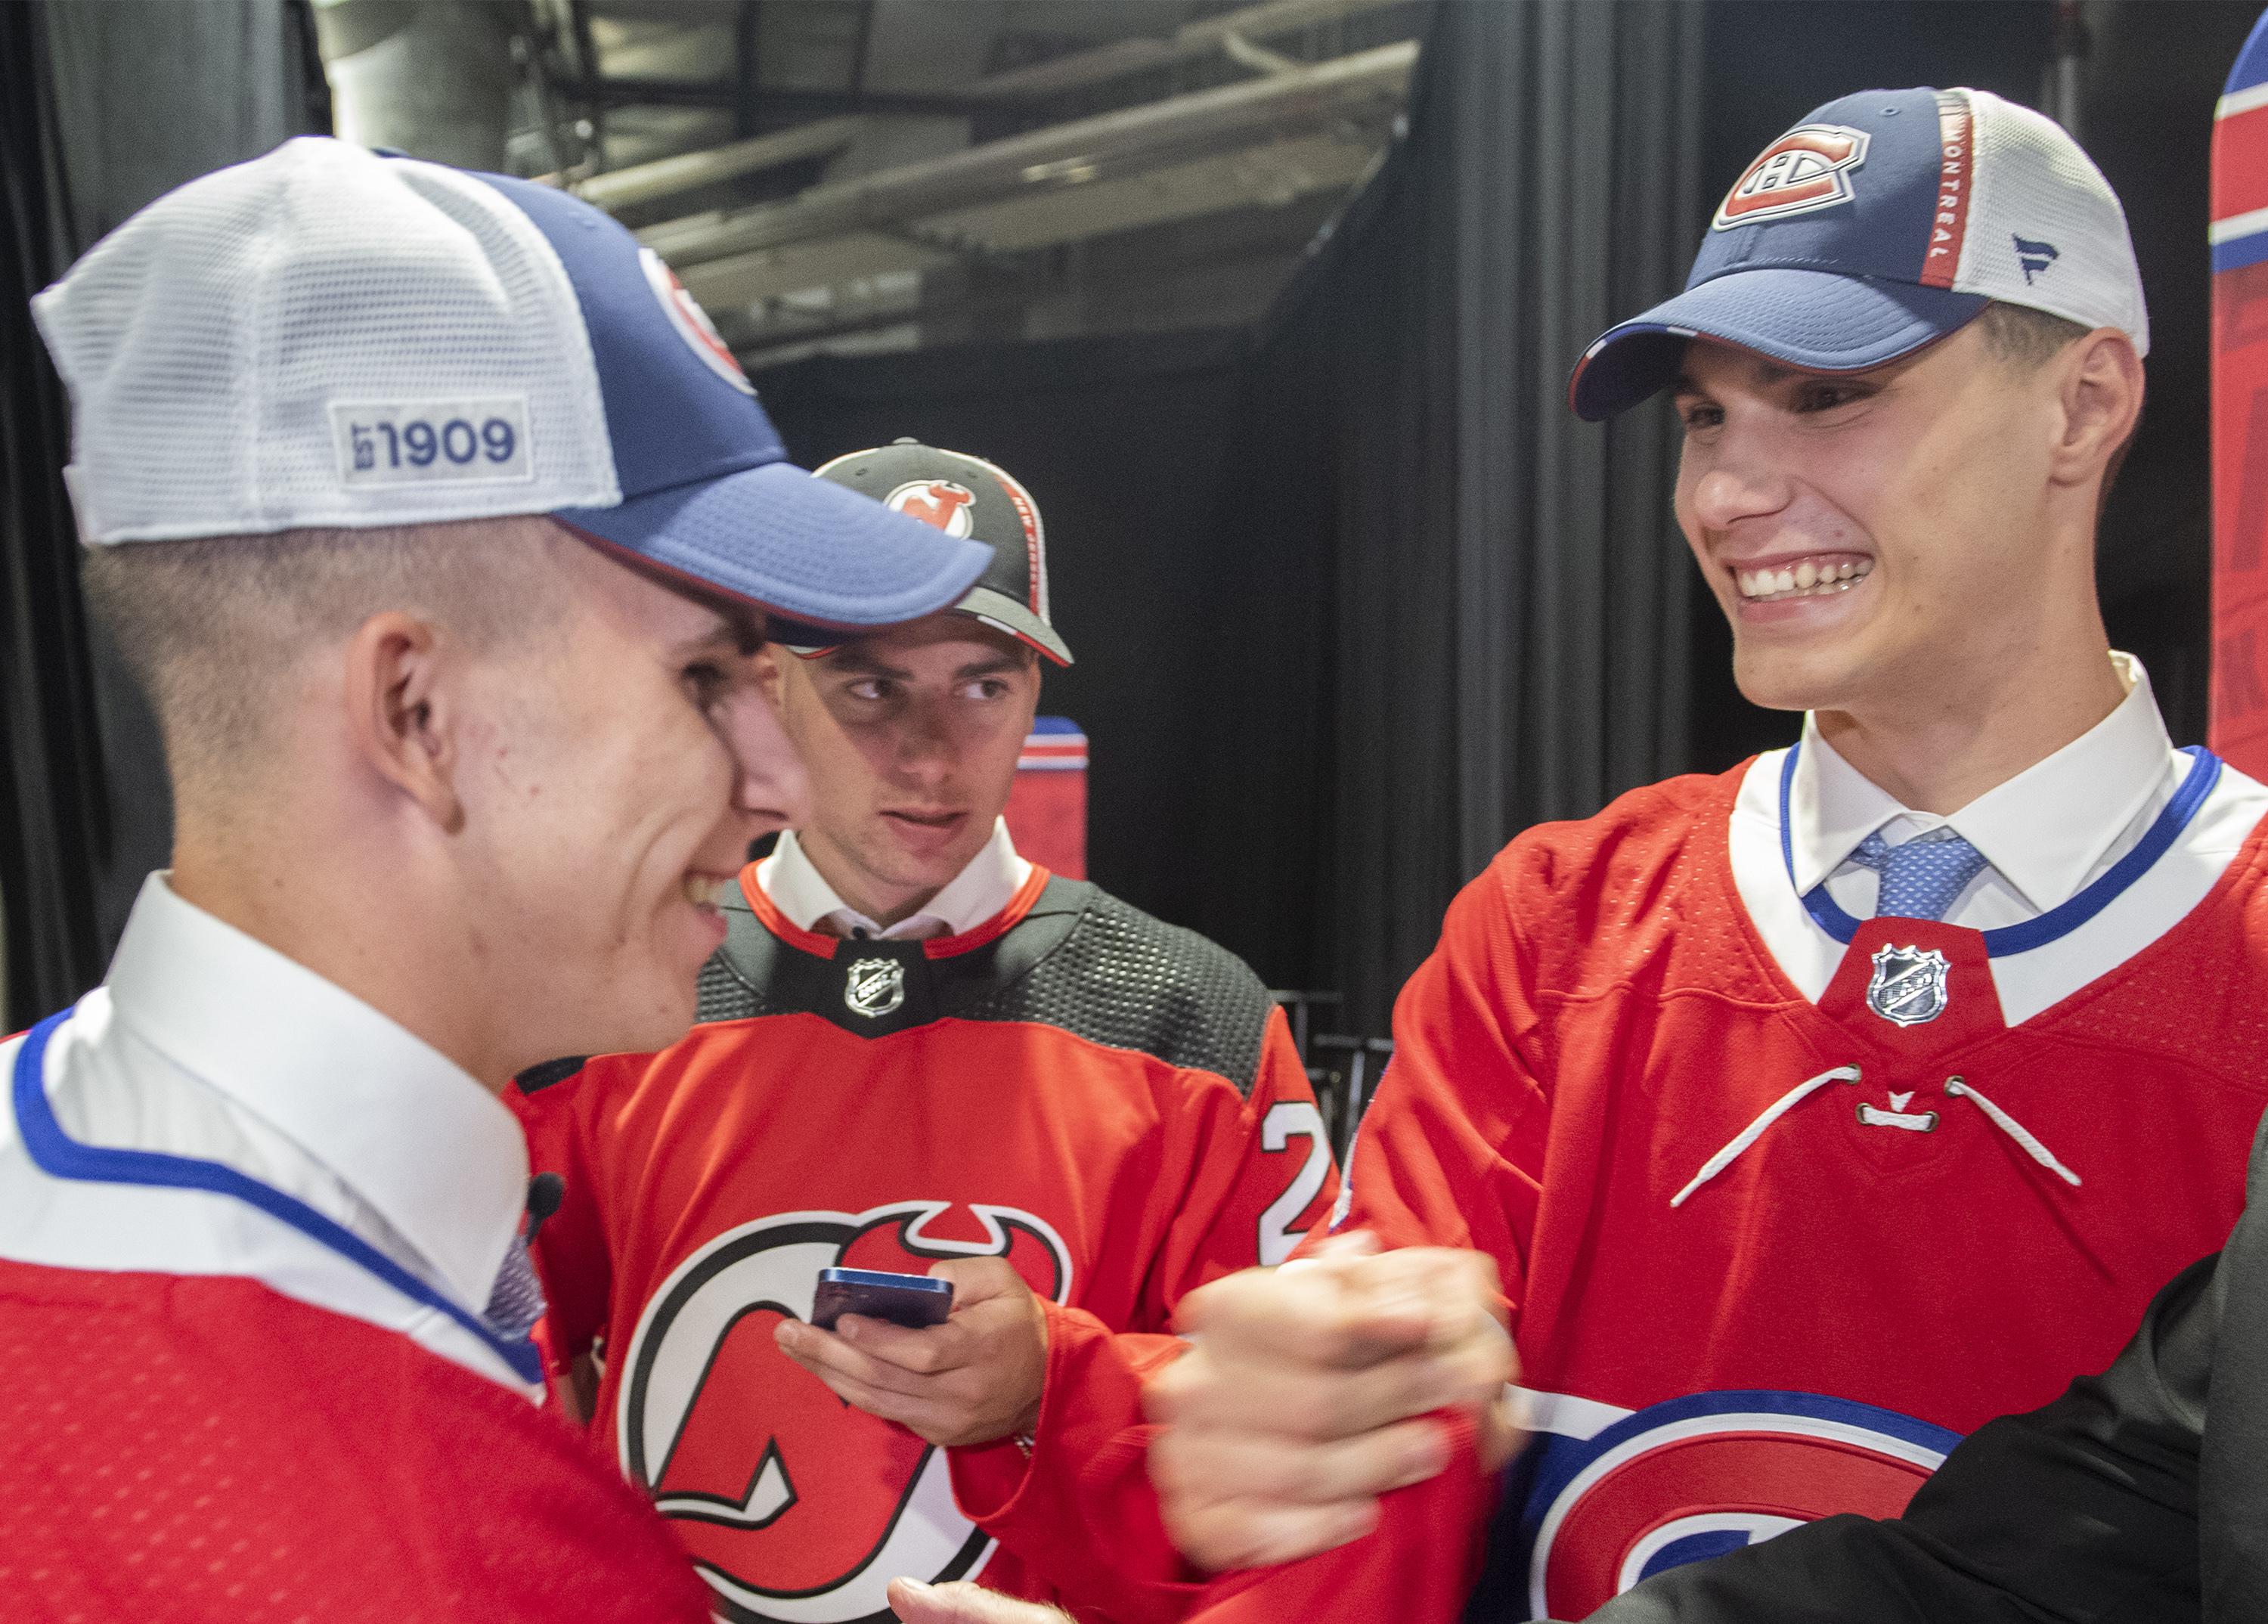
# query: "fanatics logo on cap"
{"points": [[938, 502], [1807, 169], [692, 322]]}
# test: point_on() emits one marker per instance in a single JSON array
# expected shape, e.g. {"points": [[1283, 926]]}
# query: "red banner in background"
{"points": [[2239, 240], [1047, 809]]}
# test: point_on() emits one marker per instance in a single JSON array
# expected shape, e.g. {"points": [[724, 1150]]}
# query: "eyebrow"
{"points": [[864, 664]]}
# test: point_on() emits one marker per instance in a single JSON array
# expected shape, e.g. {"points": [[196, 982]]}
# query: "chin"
{"points": [[1788, 679]]}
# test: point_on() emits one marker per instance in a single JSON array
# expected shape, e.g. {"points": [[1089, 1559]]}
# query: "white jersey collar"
{"points": [[987, 883], [433, 1152], [2046, 831]]}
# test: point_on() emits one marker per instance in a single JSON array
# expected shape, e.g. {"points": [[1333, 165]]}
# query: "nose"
{"points": [[1736, 484], [773, 787], [925, 751]]}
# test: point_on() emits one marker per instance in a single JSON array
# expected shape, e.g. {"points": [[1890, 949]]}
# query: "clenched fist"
{"points": [[1303, 1396]]}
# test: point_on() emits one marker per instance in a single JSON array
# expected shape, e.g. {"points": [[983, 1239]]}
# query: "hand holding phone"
{"points": [[910, 1300]]}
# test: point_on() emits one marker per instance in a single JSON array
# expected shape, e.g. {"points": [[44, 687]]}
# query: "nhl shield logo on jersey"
{"points": [[796, 1508], [1807, 169], [874, 987], [938, 502], [1909, 984], [1694, 1478]]}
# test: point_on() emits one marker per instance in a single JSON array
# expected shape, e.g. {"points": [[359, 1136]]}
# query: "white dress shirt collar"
{"points": [[987, 883], [433, 1152], [2045, 831]]}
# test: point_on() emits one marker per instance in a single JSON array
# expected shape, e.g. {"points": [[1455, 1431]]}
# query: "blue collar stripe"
{"points": [[2056, 922], [60, 1156]]}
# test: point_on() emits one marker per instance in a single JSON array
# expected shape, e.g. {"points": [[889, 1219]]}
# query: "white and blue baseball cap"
{"points": [[327, 337], [1881, 222]]}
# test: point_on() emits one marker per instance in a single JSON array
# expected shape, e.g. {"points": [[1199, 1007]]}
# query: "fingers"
{"points": [[1202, 1390], [979, 1279], [961, 1602], [1194, 1466], [1225, 1534]]}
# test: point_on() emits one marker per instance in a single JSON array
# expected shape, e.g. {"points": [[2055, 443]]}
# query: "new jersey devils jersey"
{"points": [[1768, 1259], [1110, 1102]]}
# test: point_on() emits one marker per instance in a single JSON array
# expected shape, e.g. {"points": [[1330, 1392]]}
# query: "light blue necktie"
{"points": [[516, 1302], [1921, 878]]}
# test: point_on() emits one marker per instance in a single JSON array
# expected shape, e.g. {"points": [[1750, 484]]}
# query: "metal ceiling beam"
{"points": [[772, 101], [643, 183], [1206, 37], [1060, 155]]}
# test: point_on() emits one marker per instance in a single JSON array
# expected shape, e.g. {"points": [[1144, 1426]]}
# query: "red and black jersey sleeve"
{"points": [[1079, 1509]]}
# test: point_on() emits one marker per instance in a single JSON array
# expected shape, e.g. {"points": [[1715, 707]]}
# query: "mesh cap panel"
{"points": [[228, 347]]}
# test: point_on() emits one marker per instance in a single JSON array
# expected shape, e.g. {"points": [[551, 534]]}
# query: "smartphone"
{"points": [[909, 1300]]}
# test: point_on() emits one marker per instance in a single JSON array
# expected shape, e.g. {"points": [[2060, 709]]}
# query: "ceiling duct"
{"points": [[1365, 87], [432, 78]]}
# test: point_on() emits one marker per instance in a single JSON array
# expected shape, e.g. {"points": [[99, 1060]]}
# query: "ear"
{"points": [[2100, 390], [400, 715]]}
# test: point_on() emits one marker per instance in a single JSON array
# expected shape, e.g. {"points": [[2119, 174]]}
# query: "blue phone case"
{"points": [[909, 1300]]}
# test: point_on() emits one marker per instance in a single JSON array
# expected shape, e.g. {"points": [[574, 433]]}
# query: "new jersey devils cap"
{"points": [[963, 495], [327, 337], [1881, 222]]}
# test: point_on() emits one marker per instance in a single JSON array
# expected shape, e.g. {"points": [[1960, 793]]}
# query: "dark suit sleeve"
{"points": [[2081, 1512]]}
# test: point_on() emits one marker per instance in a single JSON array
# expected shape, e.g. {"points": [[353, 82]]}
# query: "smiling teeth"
{"points": [[1809, 579], [703, 892]]}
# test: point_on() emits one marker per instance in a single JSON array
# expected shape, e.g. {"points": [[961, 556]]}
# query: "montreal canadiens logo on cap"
{"points": [[937, 502], [1807, 169], [692, 322]]}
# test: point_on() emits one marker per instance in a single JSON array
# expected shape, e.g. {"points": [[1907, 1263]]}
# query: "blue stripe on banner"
{"points": [[2240, 252], [2252, 62]]}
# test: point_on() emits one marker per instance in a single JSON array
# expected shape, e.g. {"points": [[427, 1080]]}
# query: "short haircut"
{"points": [[2025, 337], [211, 628], [2026, 340]]}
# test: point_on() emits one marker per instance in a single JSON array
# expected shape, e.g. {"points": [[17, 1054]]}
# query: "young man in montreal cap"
{"points": [[918, 1052], [442, 531], [1815, 1113]]}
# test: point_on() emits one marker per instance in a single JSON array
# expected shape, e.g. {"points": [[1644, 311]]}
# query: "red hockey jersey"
{"points": [[204, 1449], [1905, 1227], [1111, 1102]]}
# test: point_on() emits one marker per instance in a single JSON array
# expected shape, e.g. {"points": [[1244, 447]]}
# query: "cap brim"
{"points": [[806, 549], [1816, 319], [996, 610]]}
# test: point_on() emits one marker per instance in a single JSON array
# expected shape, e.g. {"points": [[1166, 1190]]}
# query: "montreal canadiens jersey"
{"points": [[1111, 1103], [1767, 1257]]}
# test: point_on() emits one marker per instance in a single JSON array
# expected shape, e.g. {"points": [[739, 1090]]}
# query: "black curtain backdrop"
{"points": [[55, 815], [1353, 606], [102, 107]]}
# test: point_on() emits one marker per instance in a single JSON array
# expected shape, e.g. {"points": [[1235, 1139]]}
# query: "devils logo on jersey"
{"points": [[1701, 1475], [797, 1508]]}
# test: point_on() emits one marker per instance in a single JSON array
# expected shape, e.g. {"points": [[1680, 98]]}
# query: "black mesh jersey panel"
{"points": [[1080, 960]]}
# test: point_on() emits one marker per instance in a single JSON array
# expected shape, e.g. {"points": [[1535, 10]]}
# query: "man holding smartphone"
{"points": [[918, 1053]]}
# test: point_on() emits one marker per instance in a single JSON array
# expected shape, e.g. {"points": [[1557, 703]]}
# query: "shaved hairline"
{"points": [[212, 628]]}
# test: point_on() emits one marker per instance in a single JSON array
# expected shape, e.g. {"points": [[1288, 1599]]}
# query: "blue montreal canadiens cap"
{"points": [[329, 337], [1881, 222]]}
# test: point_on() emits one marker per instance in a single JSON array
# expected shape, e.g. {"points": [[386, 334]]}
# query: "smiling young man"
{"points": [[1814, 1113], [452, 657], [918, 1052]]}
